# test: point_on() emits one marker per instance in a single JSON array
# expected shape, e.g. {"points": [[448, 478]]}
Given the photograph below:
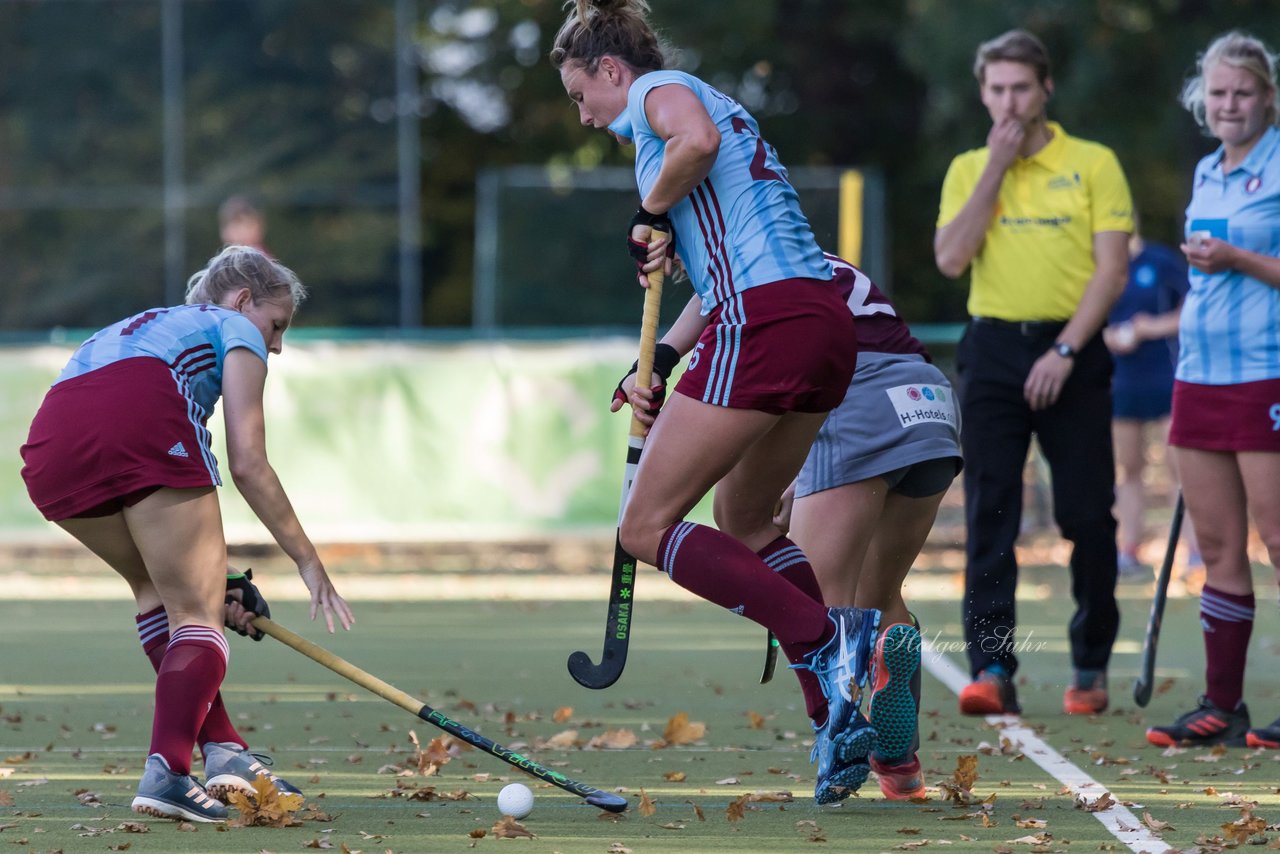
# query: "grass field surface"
{"points": [[76, 697]]}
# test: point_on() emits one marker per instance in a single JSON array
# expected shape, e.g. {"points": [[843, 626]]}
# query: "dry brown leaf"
{"points": [[755, 720], [562, 714], [617, 848], [266, 807], [728, 781], [1036, 839], [612, 739], [508, 828], [133, 827], [478, 833], [187, 827], [1103, 802], [770, 797], [680, 730], [697, 810], [1156, 824], [909, 831], [966, 773], [562, 740], [674, 776], [428, 762], [1030, 823], [737, 808], [646, 807], [6, 798], [123, 846], [318, 842], [1244, 827]]}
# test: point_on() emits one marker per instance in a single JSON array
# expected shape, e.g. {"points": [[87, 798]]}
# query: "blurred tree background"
{"points": [[294, 102]]}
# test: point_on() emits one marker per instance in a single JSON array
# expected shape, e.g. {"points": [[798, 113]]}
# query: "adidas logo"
{"points": [[178, 451]]}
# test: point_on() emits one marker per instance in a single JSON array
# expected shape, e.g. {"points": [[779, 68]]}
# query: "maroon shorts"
{"points": [[1240, 417], [107, 439], [787, 346]]}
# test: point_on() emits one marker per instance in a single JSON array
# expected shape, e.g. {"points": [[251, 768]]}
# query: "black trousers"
{"points": [[992, 364]]}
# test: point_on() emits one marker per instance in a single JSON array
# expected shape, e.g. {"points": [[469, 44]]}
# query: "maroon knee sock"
{"points": [[722, 570], [188, 680], [787, 561], [1227, 619], [153, 631]]}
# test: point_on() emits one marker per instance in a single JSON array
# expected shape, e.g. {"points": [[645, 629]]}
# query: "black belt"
{"points": [[1030, 328]]}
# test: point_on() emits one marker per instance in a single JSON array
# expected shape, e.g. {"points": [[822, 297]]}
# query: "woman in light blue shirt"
{"points": [[1226, 397]]}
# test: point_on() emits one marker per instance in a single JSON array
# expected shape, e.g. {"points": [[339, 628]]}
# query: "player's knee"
{"points": [[639, 540]]}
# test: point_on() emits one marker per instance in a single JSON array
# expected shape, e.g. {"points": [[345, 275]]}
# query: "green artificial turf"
{"points": [[76, 696]]}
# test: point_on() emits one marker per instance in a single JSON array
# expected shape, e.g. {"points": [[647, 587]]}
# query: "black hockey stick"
{"points": [[1143, 685], [770, 657], [617, 627], [592, 795]]}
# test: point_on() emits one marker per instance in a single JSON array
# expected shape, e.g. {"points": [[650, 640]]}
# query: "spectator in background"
{"points": [[241, 223], [1044, 220], [1225, 429], [1142, 337]]}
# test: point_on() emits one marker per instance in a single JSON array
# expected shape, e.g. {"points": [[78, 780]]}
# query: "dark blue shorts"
{"points": [[1141, 403]]}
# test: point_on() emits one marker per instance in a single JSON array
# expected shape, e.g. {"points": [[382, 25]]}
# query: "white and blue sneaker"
{"points": [[229, 766], [167, 794], [838, 778], [842, 745]]}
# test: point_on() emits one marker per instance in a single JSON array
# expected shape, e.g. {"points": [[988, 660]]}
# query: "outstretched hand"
{"points": [[324, 598]]}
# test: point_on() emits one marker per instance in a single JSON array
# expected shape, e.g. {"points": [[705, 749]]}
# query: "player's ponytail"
{"points": [[237, 267], [619, 28]]}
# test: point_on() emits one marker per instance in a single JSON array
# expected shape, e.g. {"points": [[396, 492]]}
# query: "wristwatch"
{"points": [[1065, 350]]}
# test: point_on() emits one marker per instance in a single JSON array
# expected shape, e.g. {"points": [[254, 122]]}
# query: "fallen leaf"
{"points": [[612, 739], [562, 714], [562, 740], [618, 848], [318, 843], [680, 730], [266, 807], [728, 781], [697, 810], [670, 777], [673, 825], [133, 827], [6, 798], [1037, 839], [1156, 824], [508, 828], [1103, 802], [1244, 827], [478, 833], [737, 809], [646, 807], [966, 773], [755, 720], [1031, 823]]}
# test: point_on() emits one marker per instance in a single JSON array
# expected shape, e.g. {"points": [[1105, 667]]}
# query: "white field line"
{"points": [[1122, 823]]}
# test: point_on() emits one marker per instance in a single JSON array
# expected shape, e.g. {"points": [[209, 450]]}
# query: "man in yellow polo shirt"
{"points": [[1043, 220]]}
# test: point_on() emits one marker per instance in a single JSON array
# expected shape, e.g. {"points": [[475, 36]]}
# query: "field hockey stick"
{"points": [[617, 626], [593, 796], [770, 657], [1146, 679]]}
